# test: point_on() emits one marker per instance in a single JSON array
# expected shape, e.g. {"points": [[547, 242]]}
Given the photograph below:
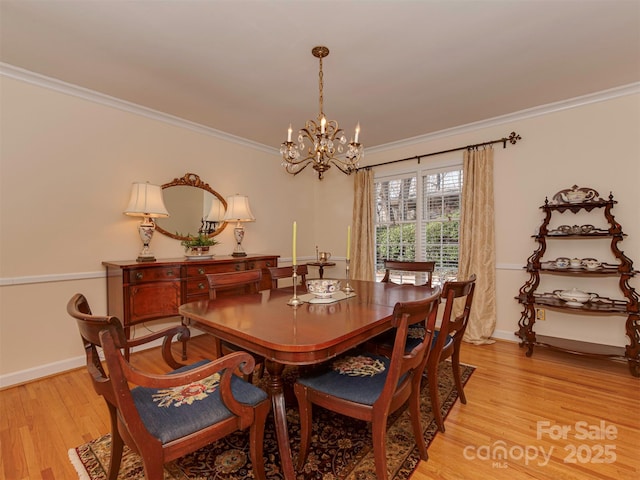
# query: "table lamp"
{"points": [[146, 202], [238, 211], [215, 216]]}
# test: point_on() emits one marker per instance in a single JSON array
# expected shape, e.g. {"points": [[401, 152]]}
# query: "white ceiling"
{"points": [[401, 68]]}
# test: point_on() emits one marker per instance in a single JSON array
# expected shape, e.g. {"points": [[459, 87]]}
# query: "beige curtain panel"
{"points": [[363, 230], [477, 242]]}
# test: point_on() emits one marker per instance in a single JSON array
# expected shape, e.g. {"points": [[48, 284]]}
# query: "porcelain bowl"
{"points": [[323, 287]]}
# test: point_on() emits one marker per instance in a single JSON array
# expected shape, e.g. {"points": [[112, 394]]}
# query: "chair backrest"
{"points": [[427, 268], [245, 281], [454, 324], [405, 369], [287, 272], [90, 327]]}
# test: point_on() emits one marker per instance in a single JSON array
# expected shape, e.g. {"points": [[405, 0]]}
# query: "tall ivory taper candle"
{"points": [[295, 229]]}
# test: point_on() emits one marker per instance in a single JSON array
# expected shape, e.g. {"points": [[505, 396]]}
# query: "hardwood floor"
{"points": [[507, 395]]}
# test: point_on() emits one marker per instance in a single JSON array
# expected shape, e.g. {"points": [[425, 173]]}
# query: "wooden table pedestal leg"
{"points": [[275, 387]]}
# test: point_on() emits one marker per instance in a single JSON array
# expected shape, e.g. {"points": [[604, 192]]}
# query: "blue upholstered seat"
{"points": [[174, 413], [359, 378]]}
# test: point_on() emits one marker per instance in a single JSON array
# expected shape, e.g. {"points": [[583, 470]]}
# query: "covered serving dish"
{"points": [[574, 297]]}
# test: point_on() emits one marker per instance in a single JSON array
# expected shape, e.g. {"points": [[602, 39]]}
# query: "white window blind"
{"points": [[417, 218], [442, 199]]}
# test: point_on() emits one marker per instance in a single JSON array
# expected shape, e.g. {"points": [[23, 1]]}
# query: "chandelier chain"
{"points": [[321, 83]]}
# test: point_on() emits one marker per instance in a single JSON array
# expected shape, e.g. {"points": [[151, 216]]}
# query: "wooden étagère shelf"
{"points": [[576, 200]]}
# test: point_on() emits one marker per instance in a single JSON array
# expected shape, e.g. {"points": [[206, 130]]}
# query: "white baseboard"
{"points": [[55, 368], [505, 335], [41, 371]]}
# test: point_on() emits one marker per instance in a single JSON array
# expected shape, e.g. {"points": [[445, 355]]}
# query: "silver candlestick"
{"points": [[295, 301], [347, 288]]}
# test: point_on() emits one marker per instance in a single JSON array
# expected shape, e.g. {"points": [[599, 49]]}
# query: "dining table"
{"points": [[312, 332]]}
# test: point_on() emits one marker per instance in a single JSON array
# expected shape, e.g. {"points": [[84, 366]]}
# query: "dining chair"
{"points": [[163, 417], [398, 266], [287, 272], [447, 340], [244, 281], [290, 373], [371, 387]]}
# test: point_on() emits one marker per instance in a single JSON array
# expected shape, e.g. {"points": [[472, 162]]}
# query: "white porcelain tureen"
{"points": [[574, 297]]}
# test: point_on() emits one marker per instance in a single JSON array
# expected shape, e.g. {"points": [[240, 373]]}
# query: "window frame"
{"points": [[441, 274]]}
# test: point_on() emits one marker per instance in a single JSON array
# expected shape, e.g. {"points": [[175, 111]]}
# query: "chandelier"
{"points": [[321, 143]]}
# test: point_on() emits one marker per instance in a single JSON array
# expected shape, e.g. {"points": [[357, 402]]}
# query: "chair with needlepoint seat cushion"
{"points": [[244, 281], [447, 340], [164, 417], [290, 372], [371, 387], [396, 268]]}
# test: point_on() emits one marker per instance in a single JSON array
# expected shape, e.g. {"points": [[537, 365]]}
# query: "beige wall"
{"points": [[67, 163], [596, 145]]}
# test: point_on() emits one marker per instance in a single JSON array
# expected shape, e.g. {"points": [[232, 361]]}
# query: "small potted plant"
{"points": [[198, 244]]}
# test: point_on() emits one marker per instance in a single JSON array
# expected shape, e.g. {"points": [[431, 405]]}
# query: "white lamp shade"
{"points": [[216, 213], [238, 209], [146, 201]]}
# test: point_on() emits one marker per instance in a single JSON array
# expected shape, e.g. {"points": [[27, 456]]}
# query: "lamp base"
{"points": [[238, 233], [145, 230]]}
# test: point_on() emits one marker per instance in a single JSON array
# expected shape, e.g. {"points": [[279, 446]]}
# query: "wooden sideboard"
{"points": [[138, 292]]}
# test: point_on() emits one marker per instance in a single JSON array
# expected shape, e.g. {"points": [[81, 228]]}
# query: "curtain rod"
{"points": [[512, 139]]}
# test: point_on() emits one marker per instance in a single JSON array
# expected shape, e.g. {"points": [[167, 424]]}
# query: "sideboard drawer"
{"points": [[261, 264], [155, 274], [197, 286], [203, 269]]}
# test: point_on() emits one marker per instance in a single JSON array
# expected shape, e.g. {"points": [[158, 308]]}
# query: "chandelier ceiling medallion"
{"points": [[321, 143]]}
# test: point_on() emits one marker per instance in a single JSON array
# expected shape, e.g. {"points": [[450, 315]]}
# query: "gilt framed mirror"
{"points": [[194, 208]]}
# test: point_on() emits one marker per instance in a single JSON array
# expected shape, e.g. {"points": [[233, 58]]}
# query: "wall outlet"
{"points": [[540, 314]]}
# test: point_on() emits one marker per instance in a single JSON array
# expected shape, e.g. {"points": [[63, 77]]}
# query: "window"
{"points": [[418, 218]]}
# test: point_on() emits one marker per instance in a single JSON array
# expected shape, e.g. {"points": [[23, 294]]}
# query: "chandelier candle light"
{"points": [[322, 141], [146, 201]]}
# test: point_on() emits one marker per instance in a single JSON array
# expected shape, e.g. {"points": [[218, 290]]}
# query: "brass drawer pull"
{"points": [[201, 286], [170, 273], [201, 271], [139, 275]]}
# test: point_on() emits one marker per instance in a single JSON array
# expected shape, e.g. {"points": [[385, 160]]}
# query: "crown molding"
{"points": [[43, 81], [17, 73]]}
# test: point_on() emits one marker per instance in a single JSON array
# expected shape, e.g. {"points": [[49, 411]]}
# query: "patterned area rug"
{"points": [[341, 447]]}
